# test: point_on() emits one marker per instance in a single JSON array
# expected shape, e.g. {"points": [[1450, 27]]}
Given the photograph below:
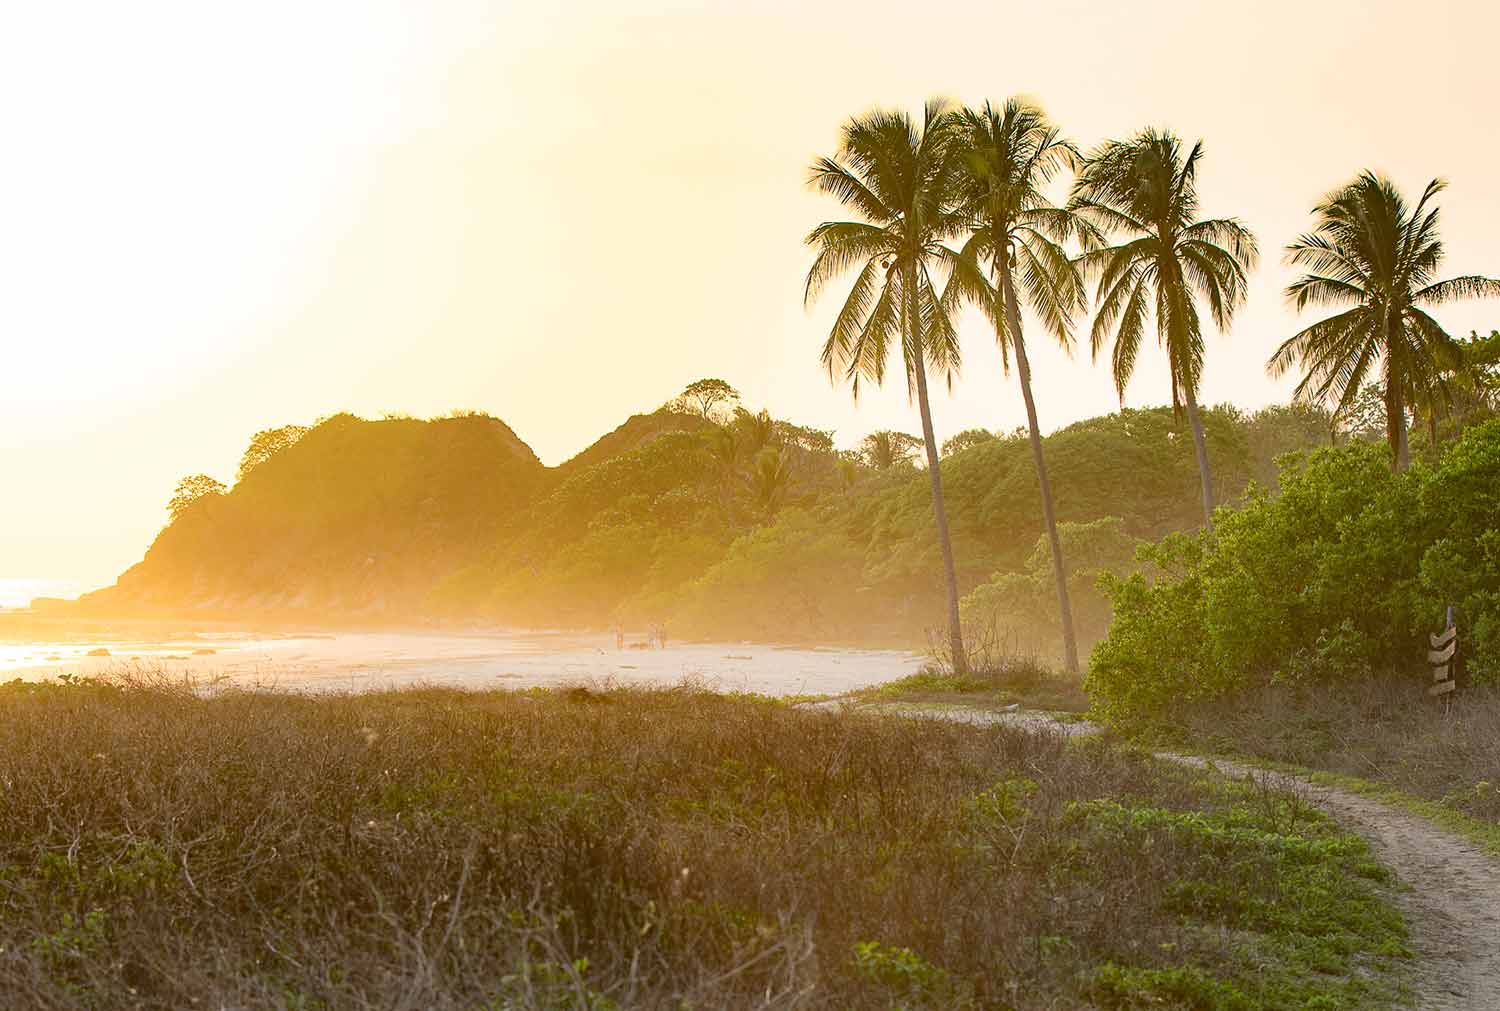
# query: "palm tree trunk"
{"points": [[913, 320], [1023, 370], [1200, 446], [1395, 427]]}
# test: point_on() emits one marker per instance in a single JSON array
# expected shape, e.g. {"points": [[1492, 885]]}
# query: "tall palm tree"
{"points": [[1145, 189], [898, 179], [1009, 155], [1375, 257]]}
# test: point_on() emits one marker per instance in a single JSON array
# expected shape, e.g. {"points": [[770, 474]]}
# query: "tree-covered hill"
{"points": [[735, 525], [355, 517], [635, 432]]}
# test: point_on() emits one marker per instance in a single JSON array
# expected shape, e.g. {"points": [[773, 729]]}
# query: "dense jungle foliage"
{"points": [[1344, 572], [717, 523]]}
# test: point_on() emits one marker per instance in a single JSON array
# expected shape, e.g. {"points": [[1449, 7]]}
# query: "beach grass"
{"points": [[162, 846]]}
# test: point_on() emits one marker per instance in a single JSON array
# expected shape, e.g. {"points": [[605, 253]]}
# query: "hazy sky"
{"points": [[217, 218]]}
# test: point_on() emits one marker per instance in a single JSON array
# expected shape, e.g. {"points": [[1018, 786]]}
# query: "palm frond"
{"points": [[829, 177], [849, 324], [1456, 288], [841, 246]]}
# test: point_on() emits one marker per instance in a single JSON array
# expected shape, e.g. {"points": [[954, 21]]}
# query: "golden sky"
{"points": [[217, 218]]}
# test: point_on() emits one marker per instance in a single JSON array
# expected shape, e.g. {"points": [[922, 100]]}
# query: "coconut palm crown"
{"points": [[1375, 258]]}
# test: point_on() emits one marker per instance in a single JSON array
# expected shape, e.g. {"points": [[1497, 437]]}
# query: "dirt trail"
{"points": [[1452, 901]]}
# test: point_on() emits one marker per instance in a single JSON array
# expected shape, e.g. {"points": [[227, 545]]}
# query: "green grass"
{"points": [[993, 686], [647, 849], [1381, 736], [1484, 834]]}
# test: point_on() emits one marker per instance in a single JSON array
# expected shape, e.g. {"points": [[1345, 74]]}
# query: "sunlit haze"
{"points": [[219, 218]]}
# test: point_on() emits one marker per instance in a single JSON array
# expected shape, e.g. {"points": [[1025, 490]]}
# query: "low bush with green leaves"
{"points": [[1345, 571]]}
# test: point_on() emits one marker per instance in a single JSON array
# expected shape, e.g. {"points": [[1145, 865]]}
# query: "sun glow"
{"points": [[217, 220]]}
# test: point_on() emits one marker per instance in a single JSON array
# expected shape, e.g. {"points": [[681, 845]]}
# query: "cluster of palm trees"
{"points": [[954, 211]]}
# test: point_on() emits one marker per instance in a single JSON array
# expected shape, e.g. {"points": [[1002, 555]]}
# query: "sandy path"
{"points": [[1452, 898], [1452, 904]]}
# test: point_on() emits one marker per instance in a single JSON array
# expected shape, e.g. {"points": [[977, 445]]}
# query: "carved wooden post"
{"points": [[1444, 657]]}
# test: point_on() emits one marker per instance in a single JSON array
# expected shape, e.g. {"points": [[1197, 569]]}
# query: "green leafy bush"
{"points": [[1344, 571], [1021, 607]]}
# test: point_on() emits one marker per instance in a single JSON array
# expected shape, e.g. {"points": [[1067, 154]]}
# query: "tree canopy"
{"points": [[190, 490], [707, 397], [1374, 258], [266, 444]]}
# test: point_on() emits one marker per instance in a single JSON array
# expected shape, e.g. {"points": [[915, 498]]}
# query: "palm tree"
{"points": [[1009, 156], [769, 478], [1146, 189], [886, 449], [1371, 255], [899, 181]]}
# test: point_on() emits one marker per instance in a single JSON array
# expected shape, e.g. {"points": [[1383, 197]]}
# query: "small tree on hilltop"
{"points": [[706, 396], [190, 490], [967, 439], [266, 444]]}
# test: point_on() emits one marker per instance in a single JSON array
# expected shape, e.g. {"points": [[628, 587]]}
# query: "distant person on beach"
{"points": [[619, 636]]}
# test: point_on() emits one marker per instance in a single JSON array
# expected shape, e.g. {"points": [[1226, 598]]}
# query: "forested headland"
{"points": [[714, 519]]}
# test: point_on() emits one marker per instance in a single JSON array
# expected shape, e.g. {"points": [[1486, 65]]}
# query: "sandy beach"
{"points": [[361, 661]]}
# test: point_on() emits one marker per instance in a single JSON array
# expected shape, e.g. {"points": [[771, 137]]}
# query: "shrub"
{"points": [[1346, 570]]}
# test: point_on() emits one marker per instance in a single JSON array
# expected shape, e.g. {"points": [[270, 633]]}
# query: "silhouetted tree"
{"points": [[899, 179], [706, 396], [1009, 157], [1145, 189], [191, 490], [266, 444]]}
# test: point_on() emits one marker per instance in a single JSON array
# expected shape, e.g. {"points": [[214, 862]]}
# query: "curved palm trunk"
{"points": [[935, 476], [1200, 446], [1059, 574]]}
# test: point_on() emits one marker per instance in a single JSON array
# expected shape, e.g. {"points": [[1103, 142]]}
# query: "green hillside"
{"points": [[358, 517], [743, 526]]}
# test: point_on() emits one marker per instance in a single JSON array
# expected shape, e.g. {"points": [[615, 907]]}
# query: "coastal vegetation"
{"points": [[1342, 573], [165, 847], [1248, 584], [671, 518], [726, 522]]}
